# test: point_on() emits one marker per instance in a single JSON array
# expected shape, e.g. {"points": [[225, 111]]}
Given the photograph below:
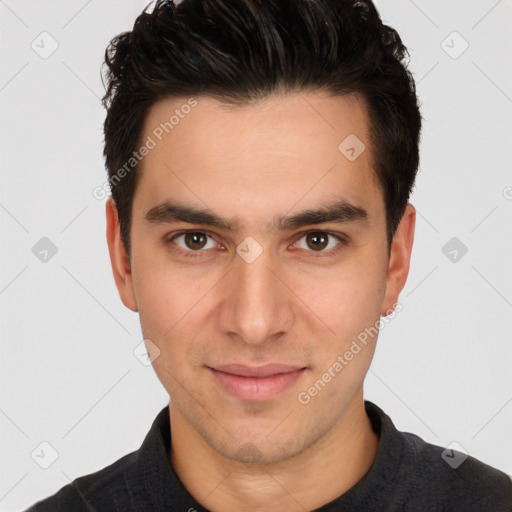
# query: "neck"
{"points": [[316, 476]]}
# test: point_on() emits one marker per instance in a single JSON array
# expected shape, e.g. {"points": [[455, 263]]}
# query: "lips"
{"points": [[256, 371], [256, 383]]}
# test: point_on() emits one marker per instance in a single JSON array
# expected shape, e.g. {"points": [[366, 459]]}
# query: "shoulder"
{"points": [[453, 480], [132, 482], [412, 474], [106, 487]]}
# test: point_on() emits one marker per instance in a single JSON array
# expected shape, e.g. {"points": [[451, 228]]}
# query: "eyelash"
{"points": [[195, 254]]}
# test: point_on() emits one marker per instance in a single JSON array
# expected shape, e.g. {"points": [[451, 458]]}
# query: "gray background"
{"points": [[69, 375]]}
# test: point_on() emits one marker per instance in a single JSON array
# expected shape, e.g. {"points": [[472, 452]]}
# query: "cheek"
{"points": [[173, 307], [156, 298], [349, 304], [165, 311], [163, 293], [351, 296]]}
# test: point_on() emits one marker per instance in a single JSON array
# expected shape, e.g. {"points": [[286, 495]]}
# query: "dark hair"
{"points": [[239, 51]]}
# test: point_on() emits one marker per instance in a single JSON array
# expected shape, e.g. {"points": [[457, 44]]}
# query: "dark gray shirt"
{"points": [[408, 474]]}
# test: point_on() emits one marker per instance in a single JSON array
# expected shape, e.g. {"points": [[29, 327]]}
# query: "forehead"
{"points": [[304, 148], [281, 119]]}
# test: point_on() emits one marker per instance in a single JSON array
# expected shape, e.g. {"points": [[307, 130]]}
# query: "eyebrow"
{"points": [[338, 212]]}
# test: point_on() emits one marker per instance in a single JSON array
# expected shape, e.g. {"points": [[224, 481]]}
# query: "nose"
{"points": [[256, 307]]}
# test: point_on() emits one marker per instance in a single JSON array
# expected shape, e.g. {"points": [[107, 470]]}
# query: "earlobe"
{"points": [[399, 259], [118, 257]]}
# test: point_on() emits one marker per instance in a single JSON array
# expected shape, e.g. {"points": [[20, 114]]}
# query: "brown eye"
{"points": [[195, 240], [321, 242], [317, 240]]}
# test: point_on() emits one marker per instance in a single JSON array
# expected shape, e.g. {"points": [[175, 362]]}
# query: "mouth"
{"points": [[256, 383]]}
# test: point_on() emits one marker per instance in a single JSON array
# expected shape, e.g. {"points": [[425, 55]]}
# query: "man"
{"points": [[261, 155]]}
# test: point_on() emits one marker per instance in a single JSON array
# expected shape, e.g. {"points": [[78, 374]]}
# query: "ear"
{"points": [[119, 258], [399, 259]]}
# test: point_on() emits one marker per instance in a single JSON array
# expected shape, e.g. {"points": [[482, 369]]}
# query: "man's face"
{"points": [[264, 292]]}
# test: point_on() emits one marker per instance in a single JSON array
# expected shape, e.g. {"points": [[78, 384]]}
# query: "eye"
{"points": [[320, 242], [193, 241]]}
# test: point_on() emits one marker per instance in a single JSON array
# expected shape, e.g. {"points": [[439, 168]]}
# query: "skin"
{"points": [[295, 304]]}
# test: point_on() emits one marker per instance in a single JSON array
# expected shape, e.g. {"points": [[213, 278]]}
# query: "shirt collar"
{"points": [[153, 483]]}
